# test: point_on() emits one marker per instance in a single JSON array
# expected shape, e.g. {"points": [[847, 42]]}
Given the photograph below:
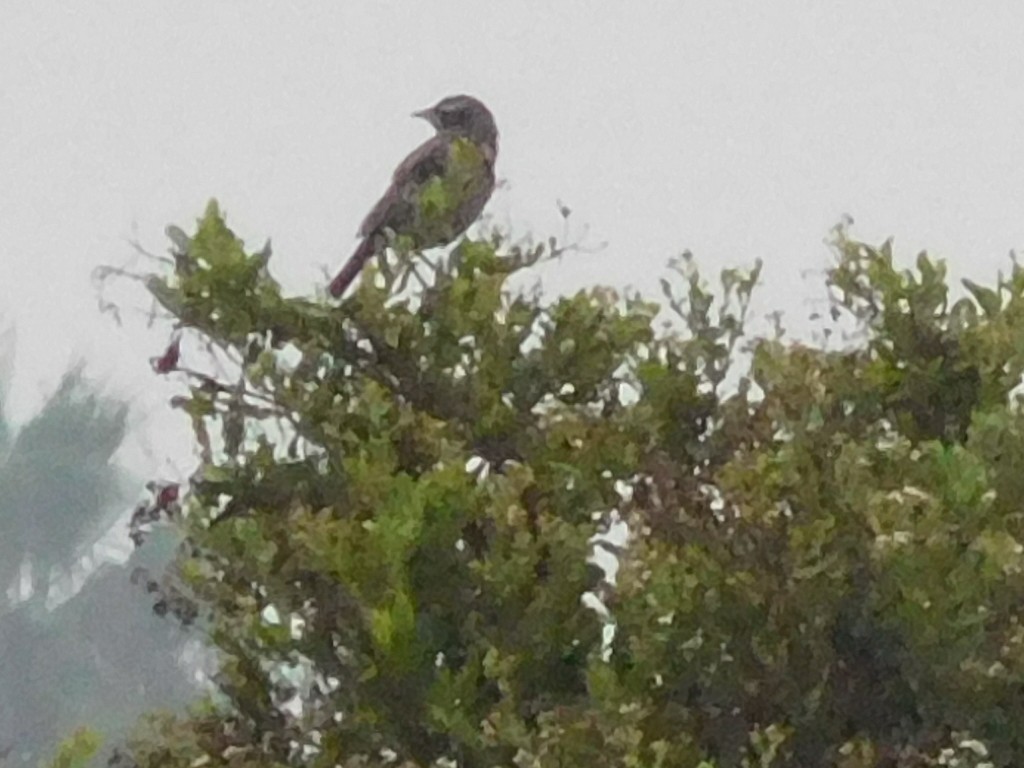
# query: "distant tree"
{"points": [[390, 537], [101, 653], [59, 491]]}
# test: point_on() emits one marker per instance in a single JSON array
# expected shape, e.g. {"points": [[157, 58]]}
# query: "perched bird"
{"points": [[437, 191]]}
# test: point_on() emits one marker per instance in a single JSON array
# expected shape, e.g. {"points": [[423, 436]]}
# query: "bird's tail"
{"points": [[352, 267]]}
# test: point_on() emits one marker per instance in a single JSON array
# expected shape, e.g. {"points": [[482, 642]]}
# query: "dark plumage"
{"points": [[438, 190]]}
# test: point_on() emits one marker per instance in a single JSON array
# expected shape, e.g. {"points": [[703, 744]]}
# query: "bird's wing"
{"points": [[427, 160]]}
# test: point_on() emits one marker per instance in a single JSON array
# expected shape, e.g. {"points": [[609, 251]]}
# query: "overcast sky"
{"points": [[736, 130]]}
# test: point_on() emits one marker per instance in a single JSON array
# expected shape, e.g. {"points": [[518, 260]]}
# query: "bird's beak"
{"points": [[430, 115]]}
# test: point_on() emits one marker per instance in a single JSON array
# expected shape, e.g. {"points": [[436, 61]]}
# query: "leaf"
{"points": [[987, 298], [77, 750]]}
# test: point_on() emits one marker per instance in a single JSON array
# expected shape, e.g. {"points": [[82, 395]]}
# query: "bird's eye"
{"points": [[451, 115]]}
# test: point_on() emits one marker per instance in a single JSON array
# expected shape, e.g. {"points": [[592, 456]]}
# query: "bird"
{"points": [[437, 191]]}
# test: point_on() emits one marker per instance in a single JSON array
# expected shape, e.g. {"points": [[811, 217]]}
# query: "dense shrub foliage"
{"points": [[390, 534]]}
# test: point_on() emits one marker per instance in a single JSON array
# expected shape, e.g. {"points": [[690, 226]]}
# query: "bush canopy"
{"points": [[393, 538]]}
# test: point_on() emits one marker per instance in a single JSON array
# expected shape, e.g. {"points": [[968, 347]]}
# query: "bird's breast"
{"points": [[449, 202]]}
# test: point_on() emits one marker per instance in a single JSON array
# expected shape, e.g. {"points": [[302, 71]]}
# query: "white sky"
{"points": [[734, 129]]}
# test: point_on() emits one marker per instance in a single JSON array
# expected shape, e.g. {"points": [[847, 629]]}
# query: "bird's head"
{"points": [[462, 116]]}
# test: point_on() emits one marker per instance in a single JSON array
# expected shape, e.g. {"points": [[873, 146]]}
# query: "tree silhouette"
{"points": [[101, 653]]}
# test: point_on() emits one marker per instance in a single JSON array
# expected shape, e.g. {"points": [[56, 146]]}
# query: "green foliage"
{"points": [[76, 750], [398, 497]]}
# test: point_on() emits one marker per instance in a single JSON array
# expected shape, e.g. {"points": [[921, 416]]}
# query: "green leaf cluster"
{"points": [[391, 534]]}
